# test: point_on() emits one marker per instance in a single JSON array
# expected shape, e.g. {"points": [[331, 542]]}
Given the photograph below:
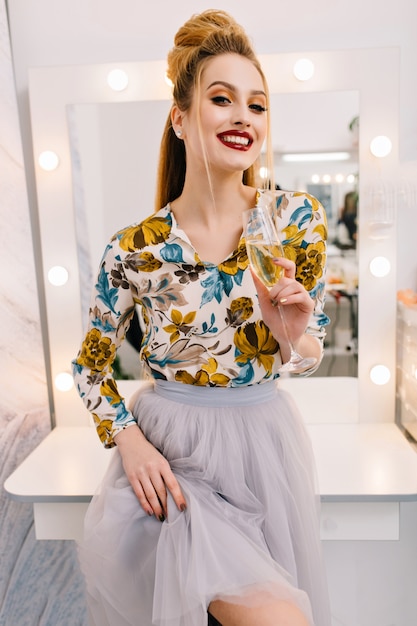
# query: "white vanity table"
{"points": [[365, 470]]}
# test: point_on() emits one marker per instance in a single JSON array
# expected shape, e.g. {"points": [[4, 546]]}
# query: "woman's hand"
{"points": [[148, 472], [292, 296]]}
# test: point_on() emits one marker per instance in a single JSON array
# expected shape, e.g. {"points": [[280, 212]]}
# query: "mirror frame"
{"points": [[373, 72]]}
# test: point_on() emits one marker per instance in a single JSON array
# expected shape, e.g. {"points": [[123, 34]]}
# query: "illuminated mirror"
{"points": [[338, 71], [114, 186]]}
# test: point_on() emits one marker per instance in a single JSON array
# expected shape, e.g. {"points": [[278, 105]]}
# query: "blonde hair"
{"points": [[202, 37]]}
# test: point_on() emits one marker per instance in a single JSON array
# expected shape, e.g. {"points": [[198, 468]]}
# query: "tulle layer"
{"points": [[250, 529]]}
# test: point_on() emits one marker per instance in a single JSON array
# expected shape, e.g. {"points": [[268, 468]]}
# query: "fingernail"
{"points": [[162, 517], [283, 300], [183, 507]]}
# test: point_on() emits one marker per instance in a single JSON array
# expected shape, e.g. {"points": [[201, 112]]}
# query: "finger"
{"points": [[287, 265], [140, 494], [175, 490], [161, 493], [154, 499]]}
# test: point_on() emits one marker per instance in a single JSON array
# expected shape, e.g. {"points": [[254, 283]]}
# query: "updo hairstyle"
{"points": [[203, 36]]}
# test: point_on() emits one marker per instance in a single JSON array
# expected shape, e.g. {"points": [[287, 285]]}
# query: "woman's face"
{"points": [[232, 112]]}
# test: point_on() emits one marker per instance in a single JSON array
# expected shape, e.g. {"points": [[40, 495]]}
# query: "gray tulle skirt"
{"points": [[244, 463]]}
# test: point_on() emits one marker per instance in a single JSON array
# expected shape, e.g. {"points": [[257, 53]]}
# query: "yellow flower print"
{"points": [[310, 263], [255, 341], [238, 261], [293, 237], [240, 310], [181, 376], [220, 380], [108, 388], [216, 379], [97, 352], [146, 262], [201, 379], [205, 377], [104, 428], [321, 230], [149, 232], [180, 324]]}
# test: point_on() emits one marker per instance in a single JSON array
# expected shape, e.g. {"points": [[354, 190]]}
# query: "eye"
{"points": [[258, 108], [221, 100]]}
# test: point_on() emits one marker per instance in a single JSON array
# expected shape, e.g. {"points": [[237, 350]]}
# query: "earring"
{"points": [[179, 133]]}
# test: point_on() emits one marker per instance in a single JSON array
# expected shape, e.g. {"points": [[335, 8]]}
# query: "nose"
{"points": [[241, 121], [240, 116]]}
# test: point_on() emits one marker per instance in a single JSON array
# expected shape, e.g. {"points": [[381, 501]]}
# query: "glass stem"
{"points": [[293, 352]]}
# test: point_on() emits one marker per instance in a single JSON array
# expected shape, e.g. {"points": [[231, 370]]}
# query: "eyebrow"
{"points": [[254, 92]]}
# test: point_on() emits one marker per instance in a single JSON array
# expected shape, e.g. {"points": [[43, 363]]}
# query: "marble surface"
{"points": [[22, 362], [48, 569]]}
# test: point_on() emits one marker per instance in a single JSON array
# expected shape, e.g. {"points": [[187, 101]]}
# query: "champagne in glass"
{"points": [[261, 255], [263, 246]]}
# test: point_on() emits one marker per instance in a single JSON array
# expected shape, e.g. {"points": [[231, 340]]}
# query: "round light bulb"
{"points": [[380, 266], [58, 275], [263, 172], [117, 79], [380, 374], [64, 381], [327, 179], [48, 160], [303, 69], [381, 146], [315, 179]]}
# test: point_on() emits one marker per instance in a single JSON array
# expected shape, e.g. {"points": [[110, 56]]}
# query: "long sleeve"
{"points": [[302, 224], [111, 308]]}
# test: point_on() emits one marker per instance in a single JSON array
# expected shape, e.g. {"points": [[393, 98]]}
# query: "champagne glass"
{"points": [[263, 246]]}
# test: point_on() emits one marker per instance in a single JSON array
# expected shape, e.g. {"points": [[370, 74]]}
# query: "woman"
{"points": [[208, 508]]}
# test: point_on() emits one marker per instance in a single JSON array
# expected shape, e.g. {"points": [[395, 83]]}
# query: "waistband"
{"points": [[216, 396]]}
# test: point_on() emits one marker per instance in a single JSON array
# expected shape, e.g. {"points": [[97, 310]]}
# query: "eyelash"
{"points": [[221, 100], [259, 108]]}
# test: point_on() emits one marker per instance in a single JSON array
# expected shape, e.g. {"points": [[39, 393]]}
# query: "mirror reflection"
{"points": [[315, 150]]}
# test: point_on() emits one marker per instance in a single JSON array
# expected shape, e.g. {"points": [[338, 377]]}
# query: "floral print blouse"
{"points": [[202, 322]]}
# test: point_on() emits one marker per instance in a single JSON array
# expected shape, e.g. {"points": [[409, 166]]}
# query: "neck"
{"points": [[211, 207]]}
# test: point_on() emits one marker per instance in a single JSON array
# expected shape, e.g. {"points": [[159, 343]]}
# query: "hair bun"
{"points": [[192, 36]]}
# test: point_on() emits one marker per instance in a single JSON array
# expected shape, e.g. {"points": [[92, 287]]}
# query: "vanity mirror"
{"points": [[60, 96], [114, 184]]}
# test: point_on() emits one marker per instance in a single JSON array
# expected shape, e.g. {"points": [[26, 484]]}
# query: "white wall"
{"points": [[47, 32]]}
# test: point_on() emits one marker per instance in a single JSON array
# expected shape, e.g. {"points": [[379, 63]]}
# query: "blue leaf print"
{"points": [[172, 253], [279, 201], [107, 294], [210, 329], [213, 287], [76, 367], [238, 277], [108, 247], [245, 377], [302, 214], [227, 282], [103, 325], [323, 319], [121, 413]]}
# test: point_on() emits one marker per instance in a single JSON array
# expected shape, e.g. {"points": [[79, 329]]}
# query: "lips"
{"points": [[236, 140]]}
